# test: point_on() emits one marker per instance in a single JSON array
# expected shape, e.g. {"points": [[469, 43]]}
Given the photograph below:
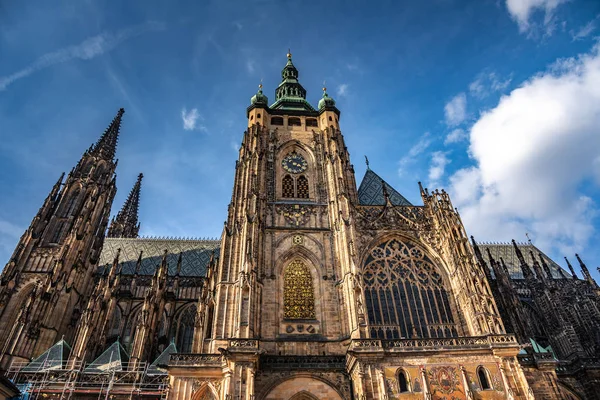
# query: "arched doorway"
{"points": [[303, 388]]}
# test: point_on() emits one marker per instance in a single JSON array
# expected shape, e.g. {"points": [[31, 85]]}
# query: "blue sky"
{"points": [[498, 101]]}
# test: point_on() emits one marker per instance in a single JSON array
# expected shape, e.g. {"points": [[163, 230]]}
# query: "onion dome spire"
{"points": [[326, 101], [259, 99], [125, 224], [107, 144]]}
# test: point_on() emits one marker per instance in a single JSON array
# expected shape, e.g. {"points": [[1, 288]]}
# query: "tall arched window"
{"points": [[302, 187], [403, 381], [405, 294], [287, 187], [72, 203], [484, 381], [185, 329], [298, 295]]}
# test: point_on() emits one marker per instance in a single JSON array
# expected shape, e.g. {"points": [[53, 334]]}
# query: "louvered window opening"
{"points": [[295, 188], [404, 294]]}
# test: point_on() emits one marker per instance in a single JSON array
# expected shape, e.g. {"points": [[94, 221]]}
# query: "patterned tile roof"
{"points": [[195, 254], [370, 192], [507, 252]]}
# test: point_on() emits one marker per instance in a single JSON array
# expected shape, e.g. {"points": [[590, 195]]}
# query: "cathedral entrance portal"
{"points": [[303, 388]]}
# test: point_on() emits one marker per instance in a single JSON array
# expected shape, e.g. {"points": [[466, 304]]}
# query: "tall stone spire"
{"points": [[107, 144], [125, 224]]}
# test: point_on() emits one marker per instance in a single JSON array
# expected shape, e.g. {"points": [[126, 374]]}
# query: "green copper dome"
{"points": [[259, 98], [326, 101]]}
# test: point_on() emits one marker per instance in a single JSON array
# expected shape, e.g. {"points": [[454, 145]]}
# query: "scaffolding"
{"points": [[58, 379]]}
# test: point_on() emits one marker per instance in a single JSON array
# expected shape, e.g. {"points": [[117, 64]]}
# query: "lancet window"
{"points": [[298, 294], [404, 293], [185, 329]]}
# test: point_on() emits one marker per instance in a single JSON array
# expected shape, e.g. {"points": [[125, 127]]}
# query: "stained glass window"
{"points": [[405, 294], [298, 296]]}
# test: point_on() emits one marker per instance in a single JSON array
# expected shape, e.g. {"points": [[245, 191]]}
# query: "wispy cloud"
{"points": [[250, 66], [342, 90], [487, 83], [584, 31], [457, 135], [86, 50], [190, 120], [414, 151], [456, 110], [521, 11]]}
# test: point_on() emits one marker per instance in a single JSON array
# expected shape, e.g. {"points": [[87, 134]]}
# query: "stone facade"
{"points": [[315, 290]]}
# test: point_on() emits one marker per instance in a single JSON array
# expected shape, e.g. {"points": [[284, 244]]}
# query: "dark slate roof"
{"points": [[195, 254], [370, 192], [508, 254]]}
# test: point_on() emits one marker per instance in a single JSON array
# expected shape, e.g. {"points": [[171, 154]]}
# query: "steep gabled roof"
{"points": [[370, 191], [195, 254], [508, 254]]}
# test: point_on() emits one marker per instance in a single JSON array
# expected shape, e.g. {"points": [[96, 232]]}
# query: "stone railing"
{"points": [[469, 342], [191, 359], [243, 344]]}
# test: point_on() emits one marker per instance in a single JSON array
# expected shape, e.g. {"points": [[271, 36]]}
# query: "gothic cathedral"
{"points": [[315, 290]]}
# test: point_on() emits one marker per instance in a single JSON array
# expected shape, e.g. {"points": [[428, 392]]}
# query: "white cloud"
{"points": [[439, 160], [86, 50], [342, 90], [584, 31], [190, 120], [250, 66], [533, 152], [488, 83], [521, 10], [456, 110], [414, 151], [457, 135]]}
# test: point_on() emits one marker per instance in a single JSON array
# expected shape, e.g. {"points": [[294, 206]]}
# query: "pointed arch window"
{"points": [[185, 329], [298, 294], [404, 294], [295, 187], [403, 381], [72, 203], [483, 375], [287, 187], [302, 187]]}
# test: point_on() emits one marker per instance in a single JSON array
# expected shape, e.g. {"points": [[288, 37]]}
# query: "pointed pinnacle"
{"points": [[126, 224], [574, 275], [106, 146]]}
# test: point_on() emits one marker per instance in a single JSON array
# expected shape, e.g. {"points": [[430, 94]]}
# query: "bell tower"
{"points": [[284, 280], [43, 286]]}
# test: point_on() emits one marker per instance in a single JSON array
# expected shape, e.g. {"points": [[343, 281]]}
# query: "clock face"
{"points": [[294, 163]]}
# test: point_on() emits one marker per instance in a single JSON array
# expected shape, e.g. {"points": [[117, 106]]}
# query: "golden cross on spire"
{"points": [[289, 53]]}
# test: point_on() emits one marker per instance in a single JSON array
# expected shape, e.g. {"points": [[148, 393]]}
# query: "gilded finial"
{"points": [[289, 54]]}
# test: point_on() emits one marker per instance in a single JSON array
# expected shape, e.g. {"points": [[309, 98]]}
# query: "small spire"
{"points": [[126, 224], [527, 274], [574, 275], [386, 195], [585, 270], [289, 54], [545, 266], [106, 146], [367, 162]]}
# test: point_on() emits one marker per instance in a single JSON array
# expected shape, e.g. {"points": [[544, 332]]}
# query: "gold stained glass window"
{"points": [[298, 296]]}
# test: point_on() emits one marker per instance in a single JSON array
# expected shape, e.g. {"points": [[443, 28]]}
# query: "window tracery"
{"points": [[298, 295], [287, 187], [405, 294], [302, 187], [185, 329]]}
